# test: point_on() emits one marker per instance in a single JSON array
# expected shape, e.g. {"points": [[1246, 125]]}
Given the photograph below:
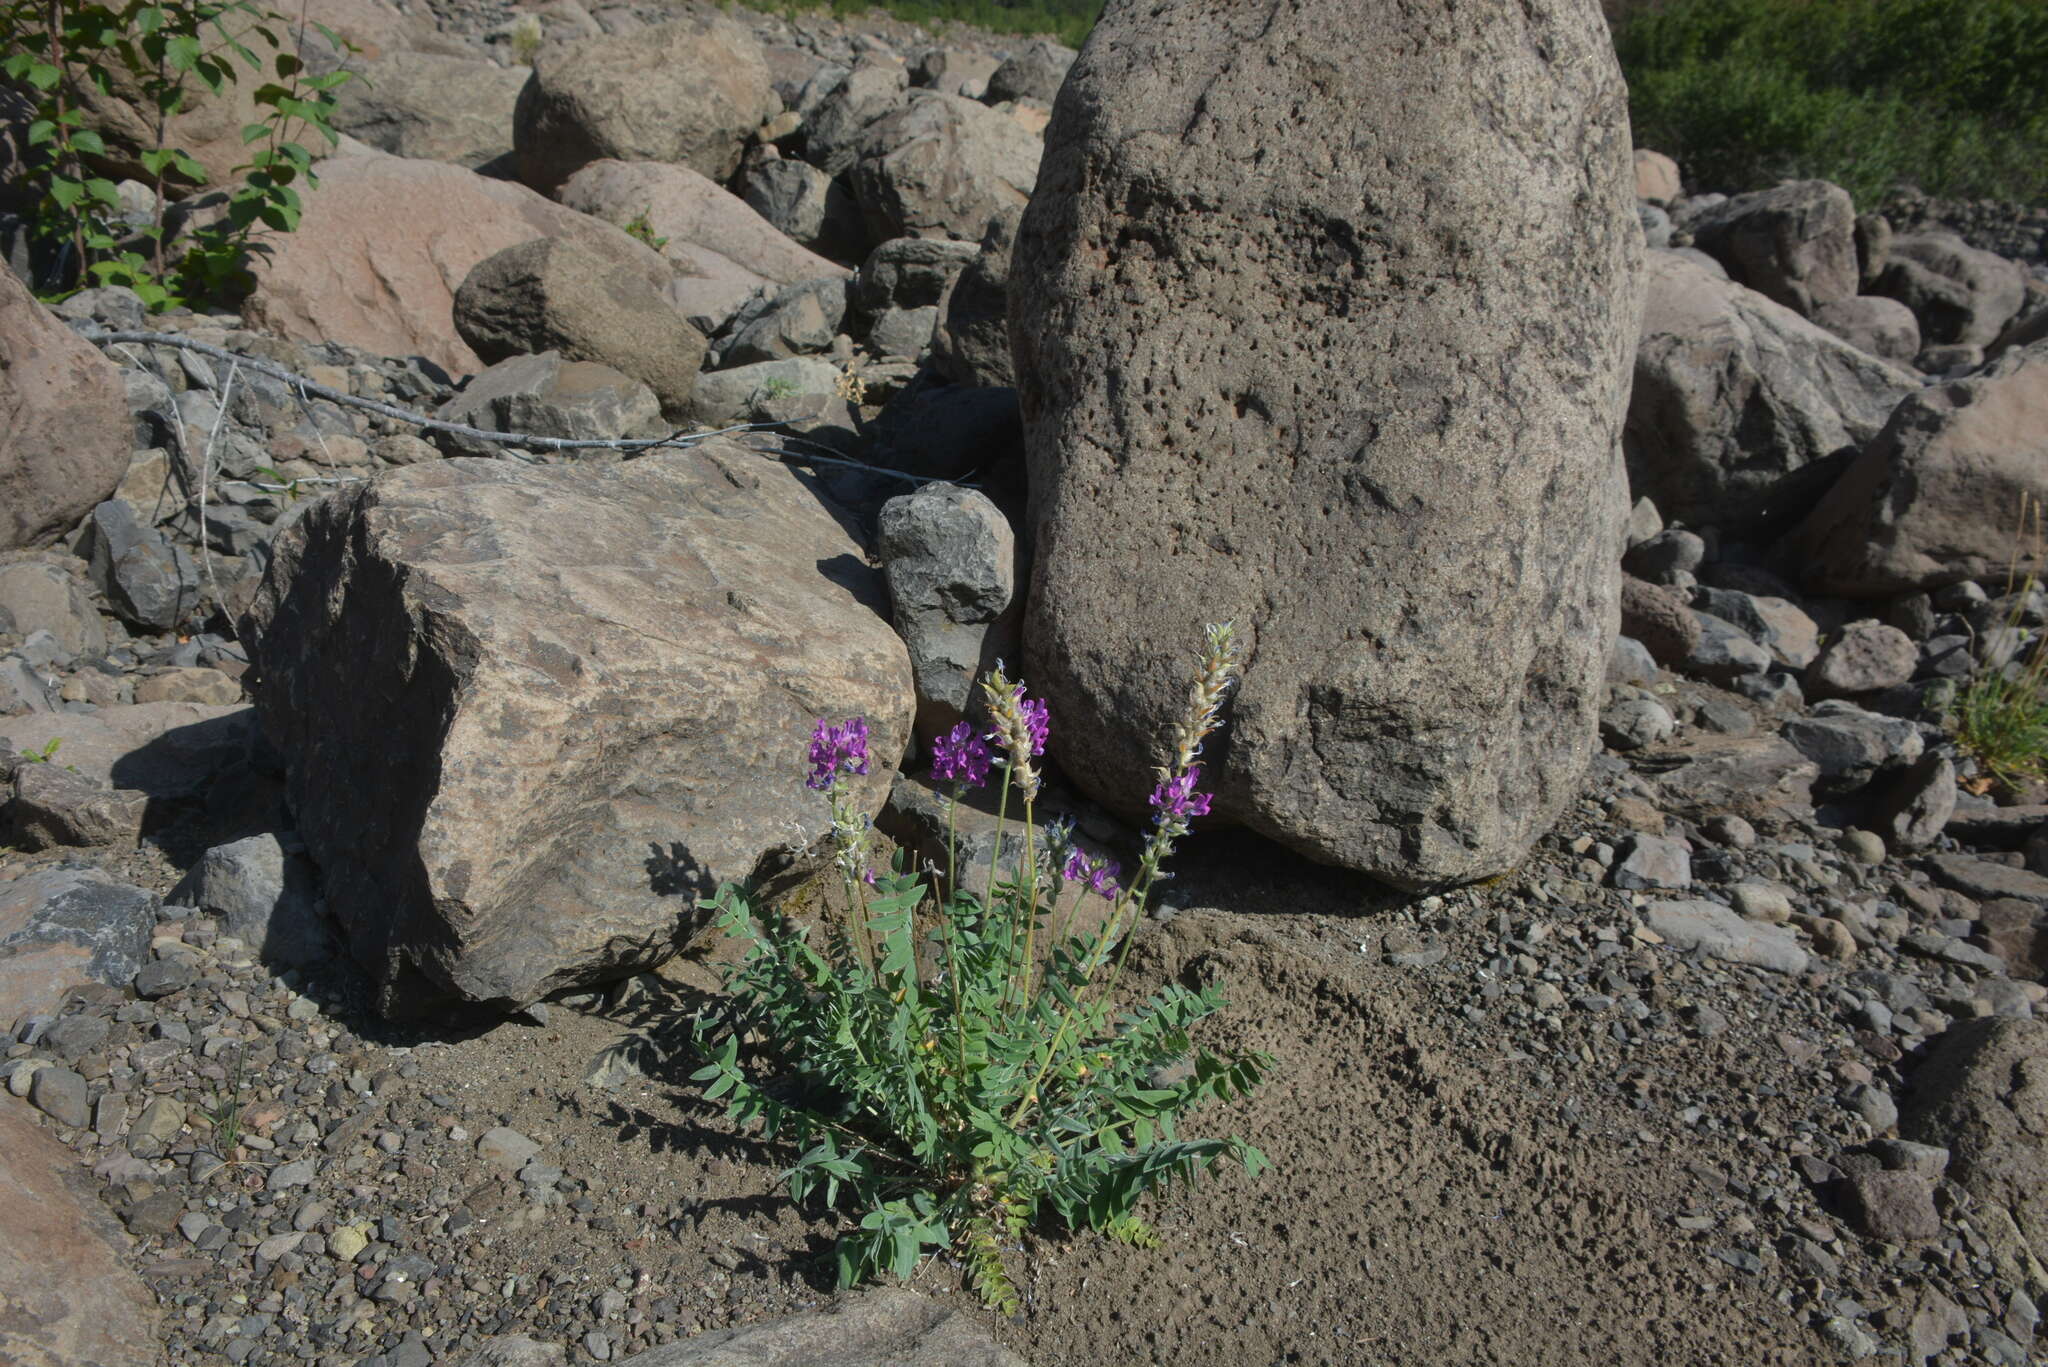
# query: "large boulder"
{"points": [[43, 591], [384, 245], [67, 1271], [688, 91], [808, 206], [1936, 499], [1794, 244], [1982, 1094], [1962, 295], [1885, 328], [942, 166], [61, 928], [1033, 72], [547, 396], [64, 425], [841, 104], [721, 250], [590, 304], [972, 344], [417, 104], [1232, 382], [581, 695], [1735, 396]]}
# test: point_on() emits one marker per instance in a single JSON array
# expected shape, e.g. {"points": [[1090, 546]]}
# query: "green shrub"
{"points": [[949, 1104], [1871, 94], [54, 51]]}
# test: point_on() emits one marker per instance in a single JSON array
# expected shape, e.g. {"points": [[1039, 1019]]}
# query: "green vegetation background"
{"points": [[1948, 96]]}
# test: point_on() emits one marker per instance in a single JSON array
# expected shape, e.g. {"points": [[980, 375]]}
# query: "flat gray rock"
{"points": [[873, 1329], [1719, 933], [1983, 878]]}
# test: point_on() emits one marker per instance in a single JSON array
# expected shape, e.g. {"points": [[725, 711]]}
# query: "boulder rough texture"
{"points": [[546, 396], [67, 1278], [951, 561], [1231, 382], [582, 695], [688, 91], [590, 304], [942, 166], [63, 927], [1033, 72], [972, 344], [265, 895], [1735, 395], [1963, 296], [64, 424], [1885, 328], [721, 250], [1793, 243], [169, 750], [417, 104], [1982, 1094], [383, 247], [1935, 499]]}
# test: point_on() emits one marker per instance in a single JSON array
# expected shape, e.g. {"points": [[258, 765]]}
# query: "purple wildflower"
{"points": [[1098, 874], [961, 755], [1037, 719], [838, 749], [1177, 799], [1076, 868]]}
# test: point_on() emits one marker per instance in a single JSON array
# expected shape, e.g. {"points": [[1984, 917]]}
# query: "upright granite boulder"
{"points": [[1365, 401], [531, 713]]}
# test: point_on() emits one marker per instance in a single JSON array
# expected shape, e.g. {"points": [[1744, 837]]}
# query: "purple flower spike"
{"points": [[961, 755], [1037, 719], [1102, 879], [837, 749], [1177, 799], [1076, 868]]}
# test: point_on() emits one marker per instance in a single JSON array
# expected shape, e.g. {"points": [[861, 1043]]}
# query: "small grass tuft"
{"points": [[2001, 715]]}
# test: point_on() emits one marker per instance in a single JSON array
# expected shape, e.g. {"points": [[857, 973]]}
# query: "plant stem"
{"points": [[69, 162], [953, 932]]}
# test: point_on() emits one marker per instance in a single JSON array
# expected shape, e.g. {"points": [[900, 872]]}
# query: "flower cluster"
{"points": [[1021, 725], [1099, 874], [962, 756], [837, 749], [1176, 798]]}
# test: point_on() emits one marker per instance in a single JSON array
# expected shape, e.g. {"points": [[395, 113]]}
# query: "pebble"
{"points": [[506, 1148]]}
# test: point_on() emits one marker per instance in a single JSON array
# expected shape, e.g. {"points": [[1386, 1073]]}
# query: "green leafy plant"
{"points": [[159, 54], [45, 755], [949, 1105], [2000, 715], [639, 226]]}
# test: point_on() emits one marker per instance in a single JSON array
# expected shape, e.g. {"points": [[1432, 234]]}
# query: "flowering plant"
{"points": [[950, 1105]]}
